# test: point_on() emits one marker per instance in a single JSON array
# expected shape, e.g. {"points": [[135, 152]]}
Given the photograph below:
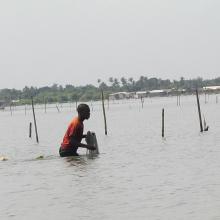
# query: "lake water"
{"points": [[138, 174]]}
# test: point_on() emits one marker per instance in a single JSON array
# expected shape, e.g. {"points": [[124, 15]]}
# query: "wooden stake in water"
{"points": [[10, 109], [199, 111], [142, 102], [91, 103], [45, 106], [35, 124], [76, 105], [205, 97], [163, 122], [30, 130], [57, 108], [103, 108], [178, 100]]}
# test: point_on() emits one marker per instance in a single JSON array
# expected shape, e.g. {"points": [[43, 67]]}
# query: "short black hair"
{"points": [[82, 108]]}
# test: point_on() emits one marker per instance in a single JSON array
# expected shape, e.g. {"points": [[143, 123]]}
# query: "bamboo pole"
{"points": [[103, 108], [199, 111], [163, 122], [35, 124], [30, 130]]}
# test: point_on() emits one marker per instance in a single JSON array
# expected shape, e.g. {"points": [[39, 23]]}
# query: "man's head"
{"points": [[83, 111]]}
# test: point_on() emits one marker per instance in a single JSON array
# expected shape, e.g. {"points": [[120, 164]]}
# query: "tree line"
{"points": [[71, 93]]}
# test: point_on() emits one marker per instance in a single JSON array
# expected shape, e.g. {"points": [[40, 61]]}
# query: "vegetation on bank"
{"points": [[71, 93]]}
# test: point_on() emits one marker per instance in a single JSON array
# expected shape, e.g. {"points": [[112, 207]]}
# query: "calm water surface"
{"points": [[138, 175]]}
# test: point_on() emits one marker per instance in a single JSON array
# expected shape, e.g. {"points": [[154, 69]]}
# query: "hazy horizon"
{"points": [[77, 42]]}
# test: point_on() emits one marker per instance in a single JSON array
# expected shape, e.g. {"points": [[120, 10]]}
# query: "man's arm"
{"points": [[84, 135], [76, 143]]}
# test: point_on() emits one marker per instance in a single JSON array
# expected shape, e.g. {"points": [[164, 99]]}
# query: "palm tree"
{"points": [[98, 81], [124, 82]]}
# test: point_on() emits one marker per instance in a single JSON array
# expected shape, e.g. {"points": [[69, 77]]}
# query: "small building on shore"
{"points": [[158, 92], [119, 95], [144, 94], [211, 89], [141, 94], [173, 91]]}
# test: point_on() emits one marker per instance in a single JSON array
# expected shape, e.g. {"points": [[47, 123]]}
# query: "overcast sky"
{"points": [[78, 41]]}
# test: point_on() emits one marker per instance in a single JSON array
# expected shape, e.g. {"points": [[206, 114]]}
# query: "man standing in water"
{"points": [[74, 134]]}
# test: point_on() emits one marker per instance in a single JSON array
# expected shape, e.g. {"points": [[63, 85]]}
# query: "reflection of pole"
{"points": [[103, 108], [35, 124], [163, 122], [199, 111]]}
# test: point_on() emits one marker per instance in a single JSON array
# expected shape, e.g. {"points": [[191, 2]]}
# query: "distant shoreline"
{"points": [[70, 93]]}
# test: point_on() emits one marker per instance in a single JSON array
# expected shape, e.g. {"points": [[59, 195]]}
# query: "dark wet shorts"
{"points": [[67, 153]]}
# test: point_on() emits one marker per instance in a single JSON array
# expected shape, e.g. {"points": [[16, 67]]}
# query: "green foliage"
{"points": [[70, 93]]}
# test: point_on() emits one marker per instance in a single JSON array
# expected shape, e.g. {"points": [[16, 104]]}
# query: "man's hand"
{"points": [[84, 136], [91, 147]]}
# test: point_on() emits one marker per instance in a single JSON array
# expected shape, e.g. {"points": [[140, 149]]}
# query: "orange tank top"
{"points": [[75, 130]]}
